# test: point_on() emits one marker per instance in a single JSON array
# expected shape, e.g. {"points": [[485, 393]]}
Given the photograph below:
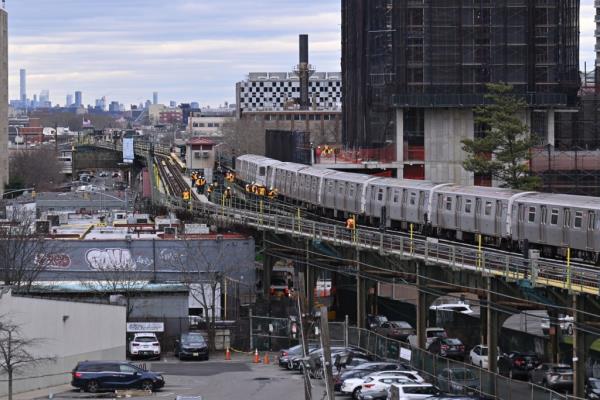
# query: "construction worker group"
{"points": [[261, 190]]}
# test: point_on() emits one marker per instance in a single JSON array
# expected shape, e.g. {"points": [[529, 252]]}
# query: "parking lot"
{"points": [[218, 379]]}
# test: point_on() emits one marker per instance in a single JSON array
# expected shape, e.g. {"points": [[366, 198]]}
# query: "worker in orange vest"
{"points": [[351, 223]]}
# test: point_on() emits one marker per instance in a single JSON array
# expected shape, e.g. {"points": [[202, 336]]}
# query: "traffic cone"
{"points": [[266, 360], [227, 354], [256, 357]]}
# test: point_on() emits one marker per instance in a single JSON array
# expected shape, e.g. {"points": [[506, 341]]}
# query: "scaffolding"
{"points": [[441, 53]]}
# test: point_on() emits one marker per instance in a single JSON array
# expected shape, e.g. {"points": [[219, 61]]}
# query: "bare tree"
{"points": [[37, 168], [24, 253], [204, 274], [124, 280], [17, 352], [244, 136]]}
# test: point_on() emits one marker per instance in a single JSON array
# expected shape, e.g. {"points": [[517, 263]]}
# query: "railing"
{"points": [[578, 277], [431, 367]]}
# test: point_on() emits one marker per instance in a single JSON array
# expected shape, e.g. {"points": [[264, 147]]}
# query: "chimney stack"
{"points": [[304, 72]]}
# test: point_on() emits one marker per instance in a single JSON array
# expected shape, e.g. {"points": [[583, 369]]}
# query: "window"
{"points": [[554, 217], [544, 215], [567, 218], [488, 208], [413, 199], [531, 214], [128, 369], [578, 220], [262, 171], [468, 204], [330, 186], [449, 203], [591, 220], [380, 195], [396, 196]]}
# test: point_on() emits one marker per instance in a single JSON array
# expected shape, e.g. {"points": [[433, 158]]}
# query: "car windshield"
{"points": [[594, 383], [462, 374], [193, 339], [420, 390], [560, 370], [441, 334], [484, 351], [402, 325], [145, 339], [278, 282], [458, 308], [453, 342]]}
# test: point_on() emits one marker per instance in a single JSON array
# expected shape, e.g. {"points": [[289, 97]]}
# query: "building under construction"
{"points": [[413, 71]]}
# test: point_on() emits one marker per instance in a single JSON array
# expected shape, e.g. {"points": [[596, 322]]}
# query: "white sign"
{"points": [[405, 354], [128, 155], [110, 260], [145, 327]]}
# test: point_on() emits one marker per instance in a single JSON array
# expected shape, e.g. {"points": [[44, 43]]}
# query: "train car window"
{"points": [[554, 217], [488, 208], [413, 198], [330, 186], [262, 171], [448, 203], [351, 191], [440, 201], [468, 206], [567, 221], [380, 195], [396, 196], [578, 220], [531, 214], [341, 189], [591, 220]]}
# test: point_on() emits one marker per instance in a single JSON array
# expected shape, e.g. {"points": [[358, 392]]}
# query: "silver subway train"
{"points": [[504, 218]]}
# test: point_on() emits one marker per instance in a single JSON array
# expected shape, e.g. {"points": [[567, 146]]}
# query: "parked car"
{"points": [[95, 376], [459, 307], [103, 174], [458, 381], [286, 356], [353, 387], [479, 355], [399, 330], [448, 347], [144, 345], [374, 321], [558, 377], [414, 391], [191, 345], [351, 384], [592, 389], [430, 335], [365, 369], [517, 364], [565, 322]]}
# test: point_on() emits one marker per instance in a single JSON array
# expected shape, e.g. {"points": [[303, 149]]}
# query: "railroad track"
{"points": [[171, 176]]}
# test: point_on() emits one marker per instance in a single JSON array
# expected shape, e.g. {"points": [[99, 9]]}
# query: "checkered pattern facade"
{"points": [[271, 91]]}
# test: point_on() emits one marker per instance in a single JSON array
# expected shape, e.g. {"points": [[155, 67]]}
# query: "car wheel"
{"points": [[147, 385], [92, 387], [290, 365], [355, 393]]}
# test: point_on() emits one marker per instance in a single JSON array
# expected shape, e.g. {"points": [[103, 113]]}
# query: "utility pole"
{"points": [[325, 344], [304, 329]]}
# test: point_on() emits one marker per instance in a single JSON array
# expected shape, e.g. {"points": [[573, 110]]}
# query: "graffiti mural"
{"points": [[110, 260]]}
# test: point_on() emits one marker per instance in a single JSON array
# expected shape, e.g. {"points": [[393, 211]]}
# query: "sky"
{"points": [[186, 50]]}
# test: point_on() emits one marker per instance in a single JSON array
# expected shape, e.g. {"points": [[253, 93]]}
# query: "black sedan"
{"points": [[191, 345]]}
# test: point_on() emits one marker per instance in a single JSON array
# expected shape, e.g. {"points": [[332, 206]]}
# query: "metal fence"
{"points": [[433, 368]]}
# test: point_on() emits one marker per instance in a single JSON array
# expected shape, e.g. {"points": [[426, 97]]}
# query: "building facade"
{"points": [[200, 156], [413, 72], [3, 99], [208, 122]]}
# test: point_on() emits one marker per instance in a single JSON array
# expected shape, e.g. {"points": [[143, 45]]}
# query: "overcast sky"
{"points": [[187, 50]]}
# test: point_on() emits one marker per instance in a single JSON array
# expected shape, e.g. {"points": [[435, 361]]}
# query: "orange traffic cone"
{"points": [[266, 360], [256, 358], [227, 354]]}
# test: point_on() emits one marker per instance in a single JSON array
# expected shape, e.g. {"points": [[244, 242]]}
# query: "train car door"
{"points": [[457, 212], [403, 205], [421, 206], [590, 230], [566, 226], [543, 224], [477, 215], [520, 221], [498, 219]]}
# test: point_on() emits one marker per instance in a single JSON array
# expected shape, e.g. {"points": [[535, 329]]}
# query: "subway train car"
{"points": [[503, 217]]}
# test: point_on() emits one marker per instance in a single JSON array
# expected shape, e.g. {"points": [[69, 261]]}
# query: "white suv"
{"points": [[414, 391], [144, 345]]}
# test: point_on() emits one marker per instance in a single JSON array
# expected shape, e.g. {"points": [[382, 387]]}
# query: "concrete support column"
{"points": [[551, 133], [268, 262], [554, 335], [361, 294], [579, 347], [424, 300]]}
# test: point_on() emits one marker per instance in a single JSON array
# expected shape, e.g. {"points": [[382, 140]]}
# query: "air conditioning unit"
{"points": [[170, 230]]}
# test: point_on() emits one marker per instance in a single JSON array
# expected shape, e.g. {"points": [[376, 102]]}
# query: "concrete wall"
{"points": [[444, 131], [3, 99], [68, 331]]}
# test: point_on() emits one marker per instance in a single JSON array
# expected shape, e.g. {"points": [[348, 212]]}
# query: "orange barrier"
{"points": [[256, 357], [266, 359], [227, 354]]}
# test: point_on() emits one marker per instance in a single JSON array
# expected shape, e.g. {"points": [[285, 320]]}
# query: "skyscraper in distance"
{"points": [[3, 100], [69, 102], [78, 99], [154, 97], [23, 85]]}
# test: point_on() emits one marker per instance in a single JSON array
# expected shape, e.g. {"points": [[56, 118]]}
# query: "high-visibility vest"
{"points": [[198, 182], [202, 181], [210, 189], [248, 188], [186, 195], [262, 191], [272, 194], [350, 223]]}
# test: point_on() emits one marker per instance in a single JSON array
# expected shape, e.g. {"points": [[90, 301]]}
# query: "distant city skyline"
{"points": [[187, 50]]}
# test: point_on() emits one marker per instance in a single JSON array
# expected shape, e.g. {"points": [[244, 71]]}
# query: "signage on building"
{"points": [[145, 327], [128, 155]]}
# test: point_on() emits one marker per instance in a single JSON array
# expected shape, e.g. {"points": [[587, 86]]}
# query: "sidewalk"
{"points": [[40, 393]]}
